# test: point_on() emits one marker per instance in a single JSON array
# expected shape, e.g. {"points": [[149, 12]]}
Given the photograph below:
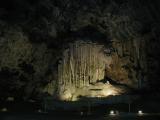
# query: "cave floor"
{"points": [[45, 116]]}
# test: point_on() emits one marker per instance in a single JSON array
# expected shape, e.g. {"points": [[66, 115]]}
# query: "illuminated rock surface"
{"points": [[92, 91], [83, 65]]}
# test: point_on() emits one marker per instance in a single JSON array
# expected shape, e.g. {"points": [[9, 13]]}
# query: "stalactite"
{"points": [[82, 64]]}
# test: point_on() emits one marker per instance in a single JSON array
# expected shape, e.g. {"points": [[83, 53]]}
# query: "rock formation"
{"points": [[85, 63], [129, 64], [82, 64]]}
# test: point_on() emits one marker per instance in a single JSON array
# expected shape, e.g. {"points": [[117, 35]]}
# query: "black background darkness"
{"points": [[37, 18]]}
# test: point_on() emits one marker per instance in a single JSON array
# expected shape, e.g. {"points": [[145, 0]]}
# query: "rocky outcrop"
{"points": [[129, 63]]}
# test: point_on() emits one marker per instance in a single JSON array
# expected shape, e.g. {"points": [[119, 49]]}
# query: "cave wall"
{"points": [[129, 62], [41, 27]]}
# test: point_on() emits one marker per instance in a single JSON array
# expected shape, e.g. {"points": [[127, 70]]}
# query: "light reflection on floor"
{"points": [[124, 116]]}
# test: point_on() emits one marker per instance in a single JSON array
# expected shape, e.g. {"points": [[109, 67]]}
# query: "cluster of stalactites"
{"points": [[83, 63]]}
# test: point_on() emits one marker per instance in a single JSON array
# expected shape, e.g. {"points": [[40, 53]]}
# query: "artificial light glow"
{"points": [[98, 90], [112, 112], [4, 110], [140, 112], [66, 96], [74, 98], [39, 110], [108, 92], [99, 96]]}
